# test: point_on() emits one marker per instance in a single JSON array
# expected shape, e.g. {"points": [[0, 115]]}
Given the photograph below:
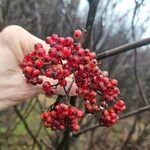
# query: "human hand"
{"points": [[15, 43]]}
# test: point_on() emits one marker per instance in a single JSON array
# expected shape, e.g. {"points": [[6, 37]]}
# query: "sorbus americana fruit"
{"points": [[77, 34], [65, 58]]}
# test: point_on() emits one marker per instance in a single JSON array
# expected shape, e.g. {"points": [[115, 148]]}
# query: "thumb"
{"points": [[23, 43], [27, 43]]}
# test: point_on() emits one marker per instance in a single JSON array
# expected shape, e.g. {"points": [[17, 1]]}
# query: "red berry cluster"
{"points": [[62, 117], [66, 57], [109, 117]]}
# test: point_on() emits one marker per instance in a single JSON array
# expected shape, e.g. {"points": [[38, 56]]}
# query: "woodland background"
{"points": [[109, 27]]}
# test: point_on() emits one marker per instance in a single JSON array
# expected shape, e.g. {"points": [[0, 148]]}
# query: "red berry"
{"points": [[46, 85], [38, 46], [41, 52], [39, 63], [92, 55], [75, 127], [50, 40], [55, 37], [66, 52], [28, 70], [79, 114], [114, 82], [35, 73], [80, 52], [69, 41], [40, 81], [61, 40], [77, 34]]}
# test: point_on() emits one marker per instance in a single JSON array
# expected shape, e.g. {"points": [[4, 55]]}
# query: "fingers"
{"points": [[21, 42], [60, 89], [13, 90]]}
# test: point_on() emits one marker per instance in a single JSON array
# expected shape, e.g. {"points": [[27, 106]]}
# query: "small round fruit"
{"points": [[77, 34]]}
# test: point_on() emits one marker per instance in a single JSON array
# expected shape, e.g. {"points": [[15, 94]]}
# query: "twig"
{"points": [[71, 84], [130, 114], [38, 16], [142, 137], [16, 121], [27, 127], [64, 144], [137, 6], [45, 129], [66, 15], [6, 12], [123, 48], [47, 145], [93, 4], [37, 134], [128, 138], [25, 114]]}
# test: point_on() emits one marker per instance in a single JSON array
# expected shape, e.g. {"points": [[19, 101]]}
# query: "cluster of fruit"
{"points": [[92, 83]]}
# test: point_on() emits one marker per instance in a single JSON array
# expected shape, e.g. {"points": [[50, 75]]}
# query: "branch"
{"points": [[34, 6], [93, 4], [45, 129], [137, 6], [123, 48], [50, 147], [102, 39], [66, 15], [38, 17], [25, 114], [130, 114], [132, 130], [5, 12], [27, 127], [64, 144], [37, 134]]}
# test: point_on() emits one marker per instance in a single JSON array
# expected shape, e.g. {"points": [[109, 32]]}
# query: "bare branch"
{"points": [[123, 48], [27, 127], [130, 114], [128, 138], [103, 39], [66, 15], [26, 113], [50, 147], [137, 6], [90, 21], [35, 6], [38, 17], [64, 144], [6, 11], [37, 134]]}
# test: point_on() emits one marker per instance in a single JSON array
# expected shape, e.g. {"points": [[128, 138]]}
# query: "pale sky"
{"points": [[122, 7]]}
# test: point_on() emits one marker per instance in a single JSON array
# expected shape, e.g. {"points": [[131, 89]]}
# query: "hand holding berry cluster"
{"points": [[100, 94]]}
